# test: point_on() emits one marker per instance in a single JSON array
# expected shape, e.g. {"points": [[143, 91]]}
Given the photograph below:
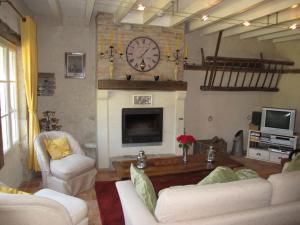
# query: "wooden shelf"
{"points": [[214, 88], [142, 85]]}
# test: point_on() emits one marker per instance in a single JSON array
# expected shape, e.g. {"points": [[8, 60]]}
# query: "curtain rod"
{"points": [[14, 8]]}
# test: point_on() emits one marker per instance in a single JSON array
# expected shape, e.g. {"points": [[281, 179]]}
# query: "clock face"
{"points": [[142, 54]]}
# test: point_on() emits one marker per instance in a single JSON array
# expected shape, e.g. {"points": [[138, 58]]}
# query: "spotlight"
{"points": [[246, 23], [294, 6], [205, 17], [293, 27], [141, 7]]}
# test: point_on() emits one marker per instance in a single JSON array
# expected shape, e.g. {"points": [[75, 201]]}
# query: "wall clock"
{"points": [[142, 54]]}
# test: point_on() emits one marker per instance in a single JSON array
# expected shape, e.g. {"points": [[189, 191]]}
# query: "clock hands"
{"points": [[144, 53]]}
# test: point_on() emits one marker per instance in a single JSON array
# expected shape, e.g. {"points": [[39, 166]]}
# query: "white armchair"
{"points": [[71, 174], [45, 207]]}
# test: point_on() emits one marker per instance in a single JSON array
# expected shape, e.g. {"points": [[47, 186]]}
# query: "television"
{"points": [[278, 121]]}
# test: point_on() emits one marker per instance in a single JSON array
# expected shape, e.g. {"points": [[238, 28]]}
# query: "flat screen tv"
{"points": [[278, 121]]}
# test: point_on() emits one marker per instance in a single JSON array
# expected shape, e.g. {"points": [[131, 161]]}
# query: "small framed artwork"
{"points": [[142, 99], [74, 65]]}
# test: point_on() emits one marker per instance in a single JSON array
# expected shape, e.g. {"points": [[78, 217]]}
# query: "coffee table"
{"points": [[173, 165]]}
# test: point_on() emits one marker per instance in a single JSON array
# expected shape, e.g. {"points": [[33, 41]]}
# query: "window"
{"points": [[8, 96]]}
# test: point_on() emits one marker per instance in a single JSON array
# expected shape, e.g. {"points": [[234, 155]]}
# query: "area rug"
{"points": [[109, 203]]}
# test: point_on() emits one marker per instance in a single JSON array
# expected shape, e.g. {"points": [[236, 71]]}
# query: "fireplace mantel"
{"points": [[142, 85]]}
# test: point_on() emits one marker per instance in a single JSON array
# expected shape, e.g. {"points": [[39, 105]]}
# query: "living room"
{"points": [[88, 105]]}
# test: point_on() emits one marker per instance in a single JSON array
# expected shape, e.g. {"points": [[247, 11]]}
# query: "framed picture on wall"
{"points": [[142, 99], [74, 65]]}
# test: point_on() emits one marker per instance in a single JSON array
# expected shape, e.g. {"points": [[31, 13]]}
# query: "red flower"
{"points": [[186, 139]]}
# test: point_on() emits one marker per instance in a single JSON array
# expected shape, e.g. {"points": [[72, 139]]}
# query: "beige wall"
{"points": [[75, 99], [162, 36], [289, 95], [230, 110]]}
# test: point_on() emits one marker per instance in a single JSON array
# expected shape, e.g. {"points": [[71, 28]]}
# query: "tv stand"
{"points": [[270, 147]]}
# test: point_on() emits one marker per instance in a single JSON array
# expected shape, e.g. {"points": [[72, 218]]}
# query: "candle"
{"points": [[177, 43], [186, 52], [111, 38], [101, 44], [120, 45]]}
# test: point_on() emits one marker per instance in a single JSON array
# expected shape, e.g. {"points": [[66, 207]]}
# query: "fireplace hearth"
{"points": [[142, 125]]}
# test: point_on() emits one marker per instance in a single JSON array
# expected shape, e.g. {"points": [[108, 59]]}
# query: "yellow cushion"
{"points": [[58, 148], [9, 190]]}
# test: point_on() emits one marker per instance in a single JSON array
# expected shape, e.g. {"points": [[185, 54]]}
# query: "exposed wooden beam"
{"points": [[192, 10], [150, 13], [89, 8], [123, 10], [261, 10], [55, 9], [285, 39], [279, 35], [225, 9], [284, 16]]}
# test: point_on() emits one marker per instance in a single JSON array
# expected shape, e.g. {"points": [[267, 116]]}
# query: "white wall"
{"points": [[230, 110], [15, 160], [75, 99]]}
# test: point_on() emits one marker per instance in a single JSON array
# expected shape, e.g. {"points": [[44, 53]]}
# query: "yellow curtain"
{"points": [[29, 55]]}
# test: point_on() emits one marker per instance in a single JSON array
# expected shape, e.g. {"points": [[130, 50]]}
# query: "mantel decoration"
{"points": [[49, 122], [111, 53], [185, 141], [180, 56]]}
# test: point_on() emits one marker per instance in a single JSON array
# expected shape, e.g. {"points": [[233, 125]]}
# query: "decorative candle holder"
{"points": [[178, 58]]}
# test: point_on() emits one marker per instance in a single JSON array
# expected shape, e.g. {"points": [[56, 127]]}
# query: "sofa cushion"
{"points": [[285, 187], [221, 174], [9, 190], [143, 187], [76, 207], [71, 166], [293, 165], [58, 148], [199, 201], [245, 174]]}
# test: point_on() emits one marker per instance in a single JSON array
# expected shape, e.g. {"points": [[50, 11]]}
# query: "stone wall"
{"points": [[164, 37]]}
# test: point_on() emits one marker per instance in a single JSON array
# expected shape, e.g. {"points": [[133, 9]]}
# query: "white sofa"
{"points": [[257, 201], [45, 207]]}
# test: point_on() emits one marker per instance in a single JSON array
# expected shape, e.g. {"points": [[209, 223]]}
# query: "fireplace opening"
{"points": [[142, 125]]}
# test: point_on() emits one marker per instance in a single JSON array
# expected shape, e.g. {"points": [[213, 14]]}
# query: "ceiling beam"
{"points": [[192, 10], [278, 35], [265, 9], [285, 39], [224, 9], [55, 9], [89, 8], [269, 30], [150, 13], [284, 16], [123, 10]]}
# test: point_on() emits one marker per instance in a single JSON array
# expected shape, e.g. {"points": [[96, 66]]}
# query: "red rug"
{"points": [[109, 203]]}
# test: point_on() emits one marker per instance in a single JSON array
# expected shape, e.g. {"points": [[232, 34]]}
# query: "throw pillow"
{"points": [[143, 187], [58, 148], [292, 165], [245, 174], [221, 174], [8, 190]]}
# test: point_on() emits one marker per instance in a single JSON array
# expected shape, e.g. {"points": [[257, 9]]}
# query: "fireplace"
{"points": [[142, 125]]}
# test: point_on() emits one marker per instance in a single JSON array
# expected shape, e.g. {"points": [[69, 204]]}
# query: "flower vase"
{"points": [[185, 154]]}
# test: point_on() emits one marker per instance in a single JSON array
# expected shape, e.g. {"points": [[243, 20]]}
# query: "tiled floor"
{"points": [[264, 169]]}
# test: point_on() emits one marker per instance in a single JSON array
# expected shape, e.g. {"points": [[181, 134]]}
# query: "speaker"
{"points": [[256, 118]]}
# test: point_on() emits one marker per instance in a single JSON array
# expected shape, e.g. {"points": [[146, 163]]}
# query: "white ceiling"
{"points": [[270, 19]]}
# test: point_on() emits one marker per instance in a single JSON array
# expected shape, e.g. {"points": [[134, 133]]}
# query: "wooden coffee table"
{"points": [[173, 165]]}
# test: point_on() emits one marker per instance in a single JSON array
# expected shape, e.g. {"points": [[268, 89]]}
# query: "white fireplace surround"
{"points": [[109, 123]]}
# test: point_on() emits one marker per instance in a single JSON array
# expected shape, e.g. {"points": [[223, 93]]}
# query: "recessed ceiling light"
{"points": [[246, 23], [294, 6], [141, 7], [205, 17], [293, 27]]}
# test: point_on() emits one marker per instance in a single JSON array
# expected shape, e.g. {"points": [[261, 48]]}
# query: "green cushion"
{"points": [[245, 174], [293, 165], [221, 174], [143, 187]]}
